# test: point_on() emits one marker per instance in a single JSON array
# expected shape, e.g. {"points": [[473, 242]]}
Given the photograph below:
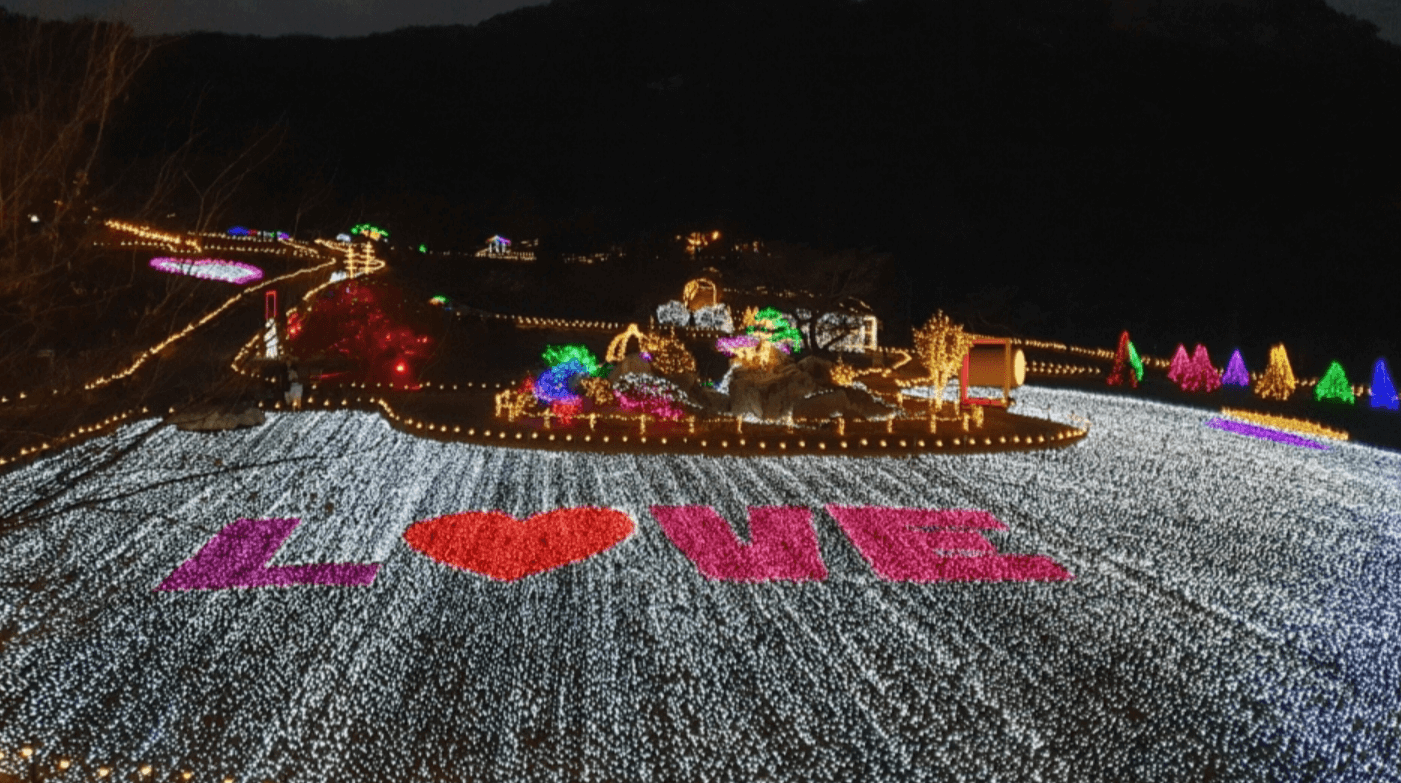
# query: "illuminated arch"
{"points": [[700, 293], [618, 348]]}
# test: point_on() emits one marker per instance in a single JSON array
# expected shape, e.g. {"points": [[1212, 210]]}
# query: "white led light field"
{"points": [[324, 598]]}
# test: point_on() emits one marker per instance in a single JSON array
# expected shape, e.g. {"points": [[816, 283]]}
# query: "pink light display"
{"points": [[235, 272], [1200, 375], [917, 545], [782, 545], [1180, 366]]}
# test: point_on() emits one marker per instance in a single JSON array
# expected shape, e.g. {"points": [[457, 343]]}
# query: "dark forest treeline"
{"points": [[1192, 171]]}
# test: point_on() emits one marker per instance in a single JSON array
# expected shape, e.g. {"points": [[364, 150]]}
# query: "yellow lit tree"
{"points": [[1278, 382], [941, 345]]}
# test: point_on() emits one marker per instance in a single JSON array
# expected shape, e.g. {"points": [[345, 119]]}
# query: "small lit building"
{"points": [[501, 249]]}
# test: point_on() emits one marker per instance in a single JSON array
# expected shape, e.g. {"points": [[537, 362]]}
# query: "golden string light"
{"points": [[146, 355], [1286, 423]]}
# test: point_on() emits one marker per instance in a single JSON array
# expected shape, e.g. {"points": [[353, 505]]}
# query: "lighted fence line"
{"points": [[839, 441], [175, 242], [167, 342], [154, 234], [70, 436], [63, 764]]}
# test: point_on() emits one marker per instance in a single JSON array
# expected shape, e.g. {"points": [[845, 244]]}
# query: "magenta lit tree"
{"points": [[1236, 374], [1200, 375], [1123, 371], [1181, 363]]}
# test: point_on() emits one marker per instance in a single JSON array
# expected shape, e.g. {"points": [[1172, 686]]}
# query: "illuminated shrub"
{"points": [[673, 313], [776, 328], [941, 345], [669, 355], [716, 317], [368, 324], [568, 365], [651, 395]]}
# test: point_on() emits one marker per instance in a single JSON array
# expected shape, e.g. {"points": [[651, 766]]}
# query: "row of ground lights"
{"points": [[568, 437]]}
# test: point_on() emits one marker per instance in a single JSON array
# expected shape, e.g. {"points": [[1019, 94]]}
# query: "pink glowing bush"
{"points": [[650, 395]]}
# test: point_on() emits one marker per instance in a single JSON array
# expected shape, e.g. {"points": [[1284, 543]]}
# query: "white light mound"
{"points": [[715, 317], [673, 313]]}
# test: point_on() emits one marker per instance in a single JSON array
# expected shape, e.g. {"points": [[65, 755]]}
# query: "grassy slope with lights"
{"points": [[1228, 615]]}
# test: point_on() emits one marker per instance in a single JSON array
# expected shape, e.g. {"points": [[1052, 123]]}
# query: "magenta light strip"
{"points": [[235, 272], [1241, 428]]}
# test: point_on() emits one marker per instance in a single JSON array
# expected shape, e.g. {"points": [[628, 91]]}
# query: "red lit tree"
{"points": [[1123, 371], [368, 325]]}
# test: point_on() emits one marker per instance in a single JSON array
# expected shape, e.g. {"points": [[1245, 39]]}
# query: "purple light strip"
{"points": [[237, 557], [1241, 428]]}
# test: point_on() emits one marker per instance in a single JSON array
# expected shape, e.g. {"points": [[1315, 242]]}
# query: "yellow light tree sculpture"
{"points": [[941, 345], [1278, 382]]}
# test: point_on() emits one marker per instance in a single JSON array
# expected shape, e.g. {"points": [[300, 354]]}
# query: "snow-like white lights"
{"points": [[1232, 613], [235, 272]]}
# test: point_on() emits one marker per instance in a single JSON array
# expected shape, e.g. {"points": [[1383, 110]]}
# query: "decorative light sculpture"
{"points": [[1181, 365], [1334, 386], [235, 272], [1278, 382], [1383, 392], [1124, 373], [1236, 374], [370, 232], [1201, 376]]}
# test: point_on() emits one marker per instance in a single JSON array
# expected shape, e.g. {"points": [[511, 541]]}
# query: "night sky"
{"points": [[361, 17]]}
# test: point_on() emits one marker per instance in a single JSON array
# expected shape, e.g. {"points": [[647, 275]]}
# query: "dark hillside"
{"points": [[1215, 171]]}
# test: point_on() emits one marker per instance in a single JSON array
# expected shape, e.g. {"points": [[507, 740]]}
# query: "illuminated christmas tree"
{"points": [[1201, 376], [1333, 386], [1123, 369], [1180, 365], [1383, 390], [1236, 374], [1135, 362], [1278, 382]]}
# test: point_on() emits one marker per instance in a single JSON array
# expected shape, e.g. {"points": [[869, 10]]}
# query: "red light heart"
{"points": [[504, 548]]}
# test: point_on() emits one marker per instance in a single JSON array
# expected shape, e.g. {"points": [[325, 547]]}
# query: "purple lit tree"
{"points": [[1236, 374]]}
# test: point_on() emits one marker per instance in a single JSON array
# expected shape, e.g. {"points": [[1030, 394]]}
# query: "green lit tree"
{"points": [[1334, 386]]}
